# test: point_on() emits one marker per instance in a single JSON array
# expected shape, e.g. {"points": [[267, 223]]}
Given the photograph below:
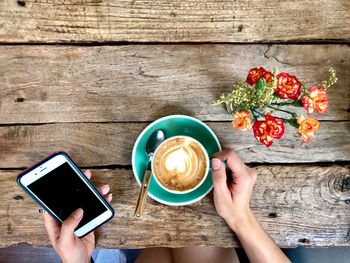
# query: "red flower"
{"points": [[270, 128], [261, 133], [316, 101], [276, 126], [288, 86], [257, 73]]}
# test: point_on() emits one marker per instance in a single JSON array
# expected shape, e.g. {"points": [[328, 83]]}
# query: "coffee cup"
{"points": [[180, 164]]}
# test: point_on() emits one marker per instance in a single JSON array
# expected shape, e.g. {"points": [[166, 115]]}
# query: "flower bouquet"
{"points": [[255, 102]]}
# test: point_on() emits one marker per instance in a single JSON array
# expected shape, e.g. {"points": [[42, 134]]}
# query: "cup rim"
{"points": [[206, 169]]}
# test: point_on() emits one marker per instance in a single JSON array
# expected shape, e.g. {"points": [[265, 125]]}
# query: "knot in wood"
{"points": [[21, 3], [346, 183], [342, 183]]}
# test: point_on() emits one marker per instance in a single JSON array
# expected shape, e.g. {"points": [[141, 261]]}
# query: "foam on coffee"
{"points": [[179, 164]]}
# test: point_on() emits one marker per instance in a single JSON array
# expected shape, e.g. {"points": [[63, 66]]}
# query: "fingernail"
{"points": [[215, 164], [105, 187], [78, 213]]}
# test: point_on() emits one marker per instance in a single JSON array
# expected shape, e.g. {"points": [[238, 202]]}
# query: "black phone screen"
{"points": [[63, 191]]}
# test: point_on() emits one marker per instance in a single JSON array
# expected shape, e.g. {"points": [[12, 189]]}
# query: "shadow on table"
{"points": [[170, 109]]}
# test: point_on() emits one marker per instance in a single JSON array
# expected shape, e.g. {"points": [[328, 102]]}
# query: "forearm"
{"points": [[257, 244]]}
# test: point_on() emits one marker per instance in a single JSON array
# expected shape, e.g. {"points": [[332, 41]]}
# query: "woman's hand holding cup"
{"points": [[233, 186]]}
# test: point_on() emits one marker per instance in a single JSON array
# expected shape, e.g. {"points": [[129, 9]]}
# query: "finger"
{"points": [[232, 160], [104, 189], [108, 197], [88, 174], [52, 228], [68, 226], [218, 174]]}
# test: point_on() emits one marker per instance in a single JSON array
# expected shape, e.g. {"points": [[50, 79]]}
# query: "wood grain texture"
{"points": [[173, 21], [296, 204], [43, 84], [94, 144]]}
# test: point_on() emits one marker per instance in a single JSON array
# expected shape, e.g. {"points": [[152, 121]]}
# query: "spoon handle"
{"points": [[143, 193]]}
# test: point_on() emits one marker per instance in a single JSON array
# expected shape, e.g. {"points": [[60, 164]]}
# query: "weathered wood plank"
{"points": [[173, 21], [92, 144], [297, 205], [43, 84]]}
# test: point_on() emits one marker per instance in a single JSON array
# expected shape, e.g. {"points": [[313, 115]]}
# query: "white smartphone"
{"points": [[59, 187]]}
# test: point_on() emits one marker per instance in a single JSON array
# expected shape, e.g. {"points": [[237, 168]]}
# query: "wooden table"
{"points": [[87, 76]]}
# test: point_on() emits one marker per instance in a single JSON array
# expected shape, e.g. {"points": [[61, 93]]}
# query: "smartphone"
{"points": [[59, 187]]}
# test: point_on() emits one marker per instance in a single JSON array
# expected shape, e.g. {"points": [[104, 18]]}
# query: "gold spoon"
{"points": [[156, 138]]}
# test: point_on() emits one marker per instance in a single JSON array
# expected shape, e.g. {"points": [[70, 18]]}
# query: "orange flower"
{"points": [[288, 86], [317, 101], [265, 131], [307, 127], [242, 120], [255, 74]]}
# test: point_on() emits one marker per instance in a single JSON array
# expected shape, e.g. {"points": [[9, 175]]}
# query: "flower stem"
{"points": [[286, 111], [283, 119], [262, 115], [258, 112], [282, 103], [253, 112]]}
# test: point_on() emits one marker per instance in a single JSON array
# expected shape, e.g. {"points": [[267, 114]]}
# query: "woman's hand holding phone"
{"points": [[70, 248]]}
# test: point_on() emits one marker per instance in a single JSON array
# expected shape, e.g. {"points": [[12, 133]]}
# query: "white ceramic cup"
{"points": [[206, 162]]}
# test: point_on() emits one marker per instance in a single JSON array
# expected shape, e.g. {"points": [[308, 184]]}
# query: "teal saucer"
{"points": [[174, 125]]}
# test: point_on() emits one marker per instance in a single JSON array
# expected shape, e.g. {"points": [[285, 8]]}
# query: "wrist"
{"points": [[241, 221], [80, 261]]}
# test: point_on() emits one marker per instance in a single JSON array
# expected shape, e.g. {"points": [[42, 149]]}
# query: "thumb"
{"points": [[218, 173], [68, 226]]}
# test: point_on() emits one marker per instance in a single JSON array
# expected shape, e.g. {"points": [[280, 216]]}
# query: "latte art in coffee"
{"points": [[179, 164]]}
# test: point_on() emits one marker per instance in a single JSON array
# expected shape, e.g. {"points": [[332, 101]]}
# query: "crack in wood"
{"points": [[9, 229], [275, 57]]}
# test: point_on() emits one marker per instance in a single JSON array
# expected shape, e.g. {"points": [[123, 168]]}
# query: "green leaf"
{"points": [[260, 85], [275, 95], [293, 122], [297, 103]]}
